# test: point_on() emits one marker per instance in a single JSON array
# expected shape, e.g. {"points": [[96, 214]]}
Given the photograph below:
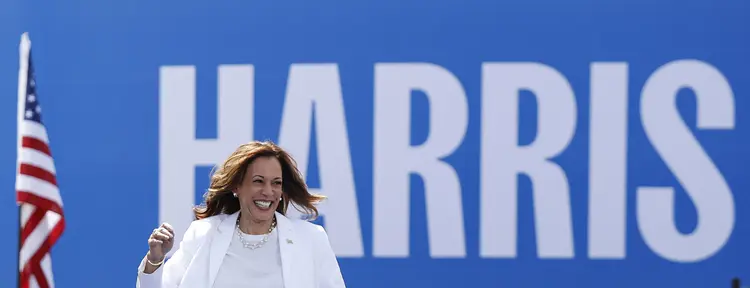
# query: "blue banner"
{"points": [[481, 143]]}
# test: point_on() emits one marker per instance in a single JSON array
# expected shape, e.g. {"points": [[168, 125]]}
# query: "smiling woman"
{"points": [[241, 234]]}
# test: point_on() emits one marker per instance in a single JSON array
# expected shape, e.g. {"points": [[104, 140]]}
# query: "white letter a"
{"points": [[317, 85]]}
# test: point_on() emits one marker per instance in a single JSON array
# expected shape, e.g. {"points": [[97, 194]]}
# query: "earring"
{"points": [[235, 194]]}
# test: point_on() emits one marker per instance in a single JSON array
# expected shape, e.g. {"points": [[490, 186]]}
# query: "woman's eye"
{"points": [[258, 181], [277, 183]]}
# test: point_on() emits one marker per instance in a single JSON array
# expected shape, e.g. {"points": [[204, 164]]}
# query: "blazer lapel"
{"points": [[220, 245], [287, 249]]}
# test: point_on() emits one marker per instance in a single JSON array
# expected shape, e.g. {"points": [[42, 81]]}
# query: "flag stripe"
{"points": [[31, 224], [43, 250], [39, 187], [36, 144], [41, 279], [36, 200], [26, 211], [46, 265], [37, 172], [39, 159], [38, 236], [34, 130], [25, 273]]}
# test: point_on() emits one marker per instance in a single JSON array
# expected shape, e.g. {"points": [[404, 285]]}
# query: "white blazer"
{"points": [[307, 260]]}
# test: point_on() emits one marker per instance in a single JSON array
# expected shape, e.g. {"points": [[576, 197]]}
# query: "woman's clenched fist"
{"points": [[160, 242]]}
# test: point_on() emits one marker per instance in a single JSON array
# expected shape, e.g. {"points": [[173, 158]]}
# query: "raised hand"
{"points": [[159, 243]]}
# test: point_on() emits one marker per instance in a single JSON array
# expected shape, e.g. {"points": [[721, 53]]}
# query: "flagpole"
{"points": [[24, 50]]}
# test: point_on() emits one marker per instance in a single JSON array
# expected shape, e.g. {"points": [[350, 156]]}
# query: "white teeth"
{"points": [[262, 204]]}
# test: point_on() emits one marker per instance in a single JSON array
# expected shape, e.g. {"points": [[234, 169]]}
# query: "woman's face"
{"points": [[260, 189]]}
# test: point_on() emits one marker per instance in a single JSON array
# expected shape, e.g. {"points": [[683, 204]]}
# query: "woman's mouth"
{"points": [[263, 204]]}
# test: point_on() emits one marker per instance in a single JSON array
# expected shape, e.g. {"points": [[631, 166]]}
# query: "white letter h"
{"points": [[180, 152]]}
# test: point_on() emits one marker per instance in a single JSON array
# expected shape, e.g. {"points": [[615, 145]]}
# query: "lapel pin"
{"points": [[289, 241]]}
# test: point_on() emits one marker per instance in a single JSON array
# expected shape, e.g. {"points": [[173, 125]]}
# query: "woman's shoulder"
{"points": [[306, 227], [202, 226], [211, 220]]}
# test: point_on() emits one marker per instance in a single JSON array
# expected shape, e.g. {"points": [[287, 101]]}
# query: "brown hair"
{"points": [[219, 199]]}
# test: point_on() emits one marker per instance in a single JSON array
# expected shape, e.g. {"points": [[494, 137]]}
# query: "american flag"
{"points": [[37, 193]]}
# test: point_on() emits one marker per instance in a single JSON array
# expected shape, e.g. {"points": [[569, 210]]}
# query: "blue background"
{"points": [[97, 66]]}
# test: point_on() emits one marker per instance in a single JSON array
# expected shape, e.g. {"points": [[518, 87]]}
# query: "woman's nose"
{"points": [[267, 191]]}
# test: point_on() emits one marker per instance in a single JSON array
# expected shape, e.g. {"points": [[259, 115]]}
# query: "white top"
{"points": [[243, 267]]}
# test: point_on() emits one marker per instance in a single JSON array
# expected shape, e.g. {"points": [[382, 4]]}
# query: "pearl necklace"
{"points": [[256, 245]]}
